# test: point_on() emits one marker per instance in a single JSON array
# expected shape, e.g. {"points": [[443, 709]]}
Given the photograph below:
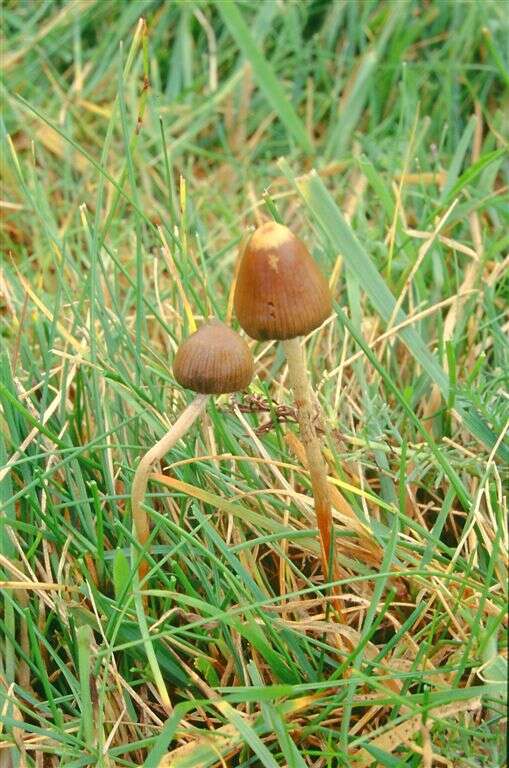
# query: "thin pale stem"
{"points": [[299, 382], [139, 486]]}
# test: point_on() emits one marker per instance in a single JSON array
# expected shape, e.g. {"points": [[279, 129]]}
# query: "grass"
{"points": [[140, 141]]}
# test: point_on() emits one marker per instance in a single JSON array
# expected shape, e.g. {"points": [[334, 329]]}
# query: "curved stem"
{"points": [[299, 382], [139, 486]]}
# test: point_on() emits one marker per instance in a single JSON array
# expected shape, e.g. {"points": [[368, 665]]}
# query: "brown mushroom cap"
{"points": [[213, 360], [280, 291]]}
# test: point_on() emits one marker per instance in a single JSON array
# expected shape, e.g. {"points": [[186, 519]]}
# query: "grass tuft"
{"points": [[140, 142]]}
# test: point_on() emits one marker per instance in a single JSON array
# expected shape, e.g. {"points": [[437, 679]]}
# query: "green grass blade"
{"points": [[264, 73]]}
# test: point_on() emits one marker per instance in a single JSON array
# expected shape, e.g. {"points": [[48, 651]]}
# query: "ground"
{"points": [[141, 143]]}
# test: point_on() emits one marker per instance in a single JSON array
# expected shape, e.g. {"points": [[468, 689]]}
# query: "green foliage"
{"points": [[139, 142]]}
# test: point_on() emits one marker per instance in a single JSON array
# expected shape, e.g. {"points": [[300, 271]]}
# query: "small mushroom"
{"points": [[214, 360], [281, 294]]}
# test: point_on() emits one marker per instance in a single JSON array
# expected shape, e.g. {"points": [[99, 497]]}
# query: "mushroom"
{"points": [[214, 360], [281, 294]]}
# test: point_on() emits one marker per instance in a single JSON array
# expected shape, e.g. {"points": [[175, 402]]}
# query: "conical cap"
{"points": [[280, 291]]}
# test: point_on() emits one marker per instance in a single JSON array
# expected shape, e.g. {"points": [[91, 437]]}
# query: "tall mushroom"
{"points": [[281, 294], [214, 360]]}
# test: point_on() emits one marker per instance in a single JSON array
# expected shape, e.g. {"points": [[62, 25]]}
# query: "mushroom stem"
{"points": [[139, 486], [299, 382]]}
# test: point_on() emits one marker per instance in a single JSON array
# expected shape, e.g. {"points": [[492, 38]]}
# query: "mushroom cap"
{"points": [[280, 291], [214, 360]]}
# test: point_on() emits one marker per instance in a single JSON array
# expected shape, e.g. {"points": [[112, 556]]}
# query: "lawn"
{"points": [[142, 143]]}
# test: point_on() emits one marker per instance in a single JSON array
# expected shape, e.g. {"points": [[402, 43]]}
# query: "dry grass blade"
{"points": [[137, 155], [400, 734]]}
